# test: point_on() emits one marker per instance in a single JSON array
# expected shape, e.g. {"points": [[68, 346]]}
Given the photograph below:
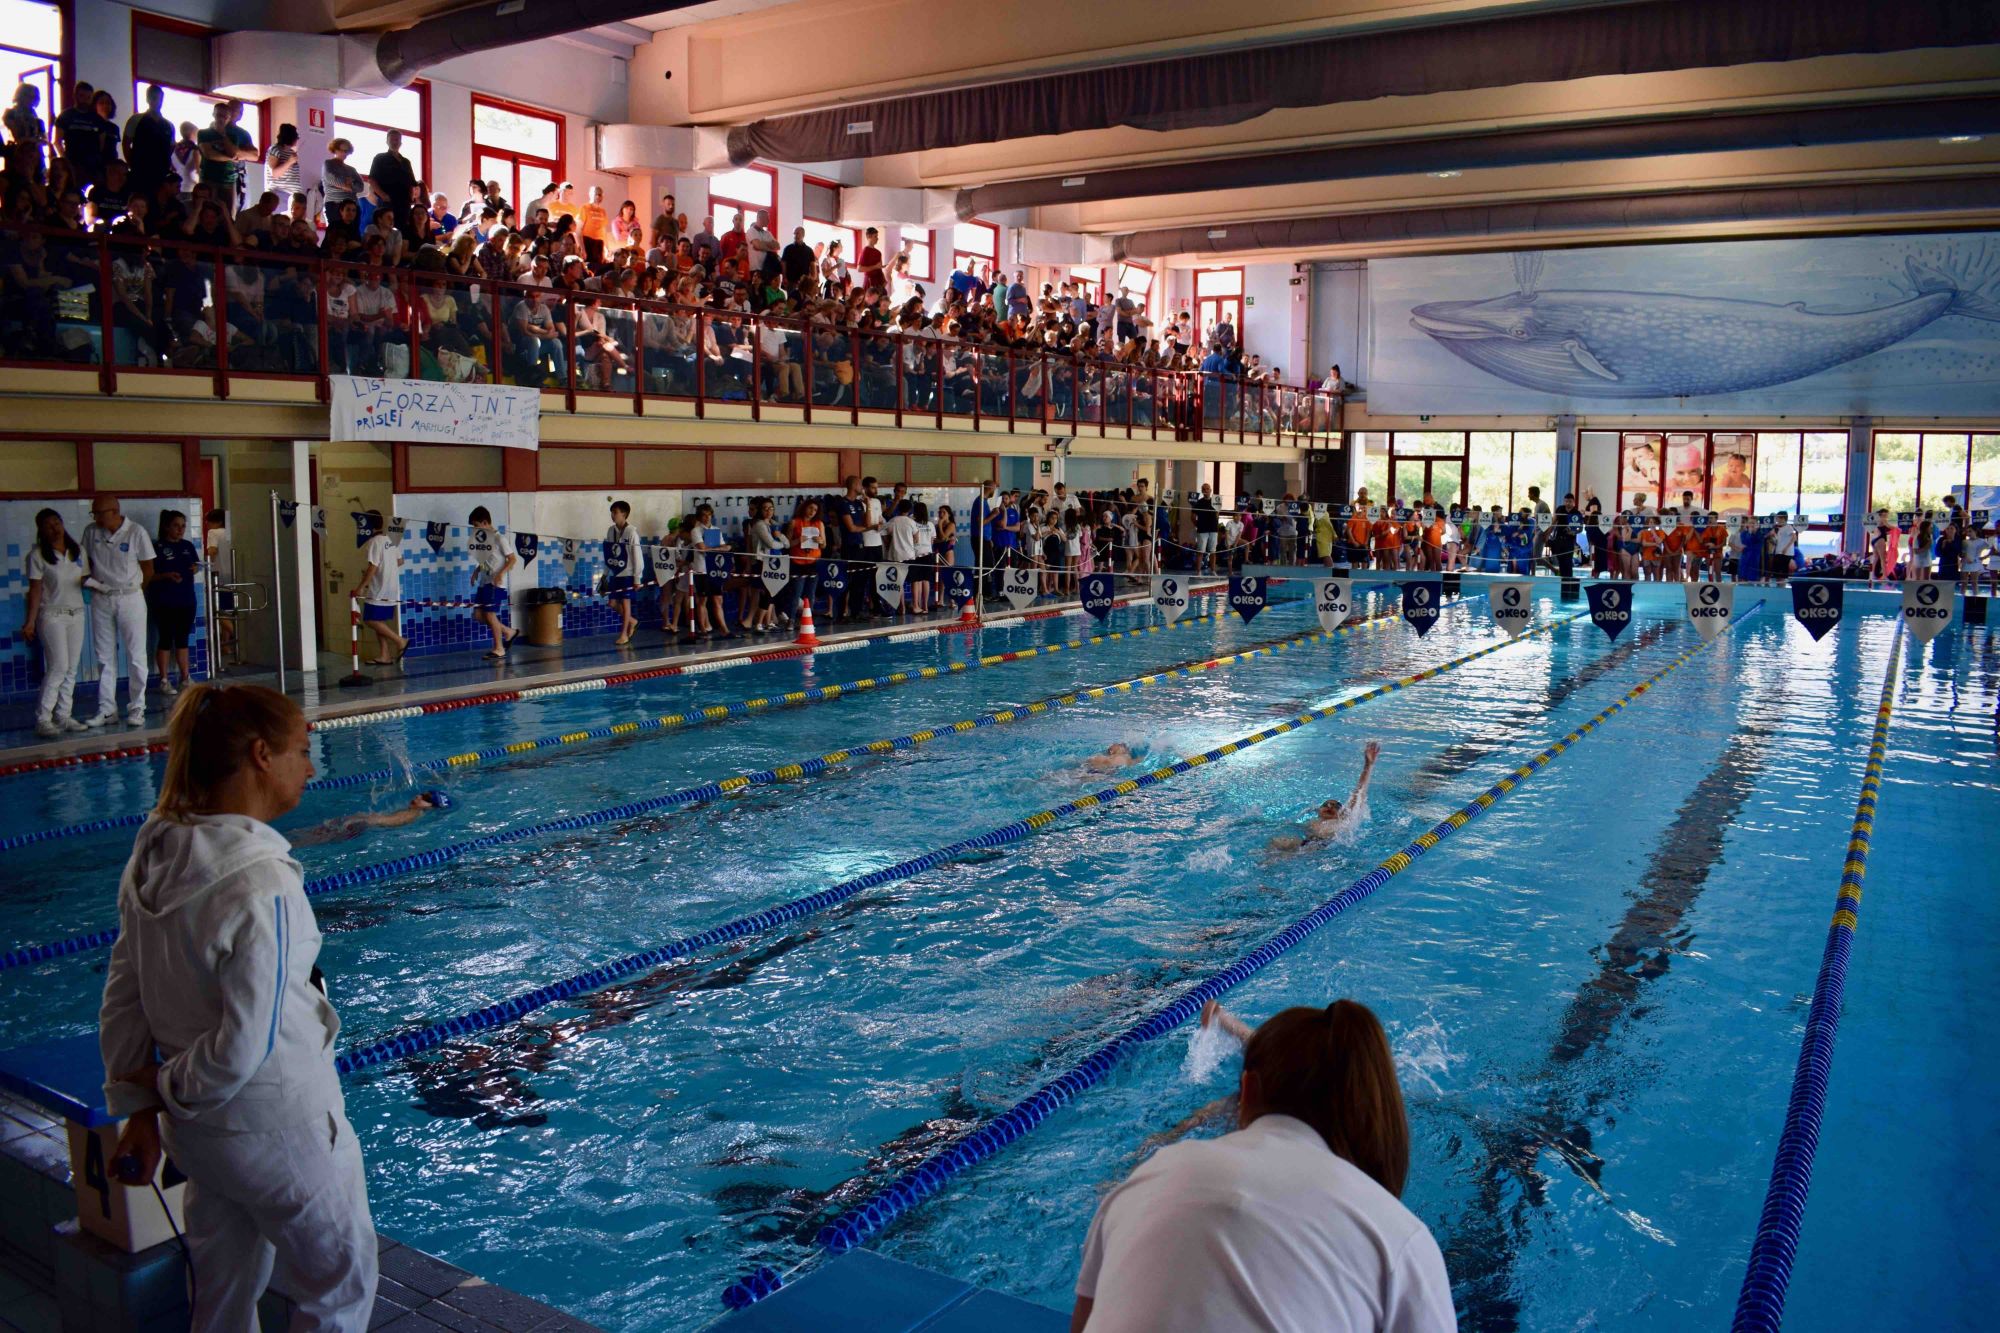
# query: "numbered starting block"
{"points": [[1451, 581], [1572, 590], [1975, 610]]}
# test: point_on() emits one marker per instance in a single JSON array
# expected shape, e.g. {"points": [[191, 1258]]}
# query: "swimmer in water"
{"points": [[1336, 818], [353, 826], [1116, 756]]}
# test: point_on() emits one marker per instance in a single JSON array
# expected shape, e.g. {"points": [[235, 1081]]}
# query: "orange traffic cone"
{"points": [[969, 616], [807, 638]]}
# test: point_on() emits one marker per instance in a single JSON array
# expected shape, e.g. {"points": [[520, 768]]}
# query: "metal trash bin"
{"points": [[543, 608]]}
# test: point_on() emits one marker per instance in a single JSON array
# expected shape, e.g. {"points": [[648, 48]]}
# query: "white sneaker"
{"points": [[135, 717], [102, 720], [46, 727], [71, 724], [168, 688]]}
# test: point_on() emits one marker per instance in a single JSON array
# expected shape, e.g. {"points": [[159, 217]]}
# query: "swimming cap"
{"points": [[438, 799]]}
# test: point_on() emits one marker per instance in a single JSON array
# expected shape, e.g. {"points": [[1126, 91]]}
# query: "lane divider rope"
{"points": [[714, 790], [1760, 1305], [666, 722], [612, 680], [508, 1011], [918, 1183]]}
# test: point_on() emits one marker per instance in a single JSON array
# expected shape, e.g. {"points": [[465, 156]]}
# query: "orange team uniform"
{"points": [[1676, 541], [1357, 529], [1388, 535], [1651, 540], [1714, 539], [1413, 531], [1434, 534]]}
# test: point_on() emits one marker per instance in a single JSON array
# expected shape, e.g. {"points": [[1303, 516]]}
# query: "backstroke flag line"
{"points": [[1710, 605]]}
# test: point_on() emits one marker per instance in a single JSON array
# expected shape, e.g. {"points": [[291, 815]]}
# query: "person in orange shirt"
{"points": [[1357, 534], [1714, 545], [1413, 540], [1434, 548], [593, 223], [1388, 541], [1652, 549], [1675, 548]]}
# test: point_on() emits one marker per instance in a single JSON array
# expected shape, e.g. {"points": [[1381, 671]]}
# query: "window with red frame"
{"points": [[747, 191], [975, 240], [1090, 280], [821, 209], [920, 245], [31, 44], [174, 55], [366, 121], [1218, 295], [519, 146]]}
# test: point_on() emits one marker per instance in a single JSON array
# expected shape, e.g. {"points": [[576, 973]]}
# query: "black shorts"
{"points": [[173, 624]]}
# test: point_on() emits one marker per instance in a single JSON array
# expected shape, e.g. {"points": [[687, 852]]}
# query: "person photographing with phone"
{"points": [[216, 1043]]}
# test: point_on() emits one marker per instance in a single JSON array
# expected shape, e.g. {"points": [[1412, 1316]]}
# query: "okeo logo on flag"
{"points": [[1018, 587], [1927, 608], [1170, 595], [1246, 596], [1513, 604], [1420, 604], [958, 584], [833, 576], [1710, 606], [774, 570], [1610, 606], [1334, 600], [1098, 594], [1817, 604]]}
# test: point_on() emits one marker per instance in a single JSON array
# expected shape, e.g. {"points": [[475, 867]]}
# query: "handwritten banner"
{"points": [[426, 411]]}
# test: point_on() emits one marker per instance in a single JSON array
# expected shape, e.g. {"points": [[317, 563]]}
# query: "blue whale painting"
{"points": [[1893, 324]]}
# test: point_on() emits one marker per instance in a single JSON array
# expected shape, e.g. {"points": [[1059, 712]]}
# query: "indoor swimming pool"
{"points": [[1595, 990]]}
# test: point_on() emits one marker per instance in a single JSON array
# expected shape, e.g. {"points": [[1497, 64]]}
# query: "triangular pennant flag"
{"points": [[1170, 595], [833, 577], [716, 564], [1513, 604], [890, 579], [1421, 598], [1018, 587], [1098, 592], [364, 528], [958, 584], [435, 533], [1710, 605], [1246, 595], [288, 511], [1334, 600], [774, 568], [568, 557], [398, 527], [1817, 604], [319, 519], [525, 546], [1927, 607], [1610, 606]]}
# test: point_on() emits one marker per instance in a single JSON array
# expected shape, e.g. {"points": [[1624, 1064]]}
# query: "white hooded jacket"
{"points": [[213, 968]]}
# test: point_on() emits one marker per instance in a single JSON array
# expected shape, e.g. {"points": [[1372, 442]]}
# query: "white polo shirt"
{"points": [[115, 556], [61, 579], [385, 585], [487, 555], [873, 536], [1260, 1229]]}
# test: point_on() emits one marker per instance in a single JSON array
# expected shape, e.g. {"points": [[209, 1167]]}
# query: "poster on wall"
{"points": [[1867, 325], [430, 412], [1734, 482]]}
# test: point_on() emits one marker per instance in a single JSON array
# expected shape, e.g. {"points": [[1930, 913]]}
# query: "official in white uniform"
{"points": [[380, 592], [1293, 1223], [216, 1043], [56, 569], [121, 564]]}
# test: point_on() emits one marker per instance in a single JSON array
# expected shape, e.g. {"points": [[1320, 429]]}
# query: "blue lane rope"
{"points": [[667, 722], [507, 1011], [709, 791], [1760, 1305], [918, 1183]]}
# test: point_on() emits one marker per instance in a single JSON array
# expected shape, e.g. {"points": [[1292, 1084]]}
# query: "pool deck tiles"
{"points": [[865, 1292]]}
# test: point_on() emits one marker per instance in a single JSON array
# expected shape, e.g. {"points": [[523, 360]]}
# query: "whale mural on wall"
{"points": [[1889, 324]]}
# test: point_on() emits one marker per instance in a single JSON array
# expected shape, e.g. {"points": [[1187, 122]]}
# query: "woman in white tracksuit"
{"points": [[56, 569], [214, 1038]]}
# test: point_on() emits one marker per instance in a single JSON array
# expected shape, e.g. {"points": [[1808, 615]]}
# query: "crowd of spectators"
{"points": [[744, 313]]}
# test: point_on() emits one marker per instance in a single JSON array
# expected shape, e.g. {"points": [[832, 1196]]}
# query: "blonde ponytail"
{"points": [[209, 736]]}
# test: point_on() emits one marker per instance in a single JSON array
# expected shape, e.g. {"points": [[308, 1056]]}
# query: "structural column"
{"points": [[1860, 458]]}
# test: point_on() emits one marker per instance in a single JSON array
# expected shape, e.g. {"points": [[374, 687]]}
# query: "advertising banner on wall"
{"points": [[432, 412], [1828, 325]]}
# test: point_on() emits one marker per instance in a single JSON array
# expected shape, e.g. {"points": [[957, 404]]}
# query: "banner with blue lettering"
{"points": [[288, 511], [1817, 604], [1710, 605], [1334, 600], [1513, 604], [1170, 594], [1421, 598], [890, 577], [427, 411], [833, 577], [435, 533], [958, 584], [1246, 595], [1098, 593], [774, 569], [1927, 607], [525, 545], [1610, 606]]}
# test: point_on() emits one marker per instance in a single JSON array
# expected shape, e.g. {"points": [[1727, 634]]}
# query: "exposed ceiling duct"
{"points": [[1716, 133], [1624, 212], [1230, 87], [407, 52]]}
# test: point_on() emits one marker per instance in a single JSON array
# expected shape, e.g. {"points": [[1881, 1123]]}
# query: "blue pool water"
{"points": [[1595, 991]]}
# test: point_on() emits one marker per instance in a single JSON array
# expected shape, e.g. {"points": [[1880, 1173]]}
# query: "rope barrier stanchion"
{"points": [[508, 1011], [793, 772], [665, 722], [1760, 1305], [913, 1186], [355, 676]]}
